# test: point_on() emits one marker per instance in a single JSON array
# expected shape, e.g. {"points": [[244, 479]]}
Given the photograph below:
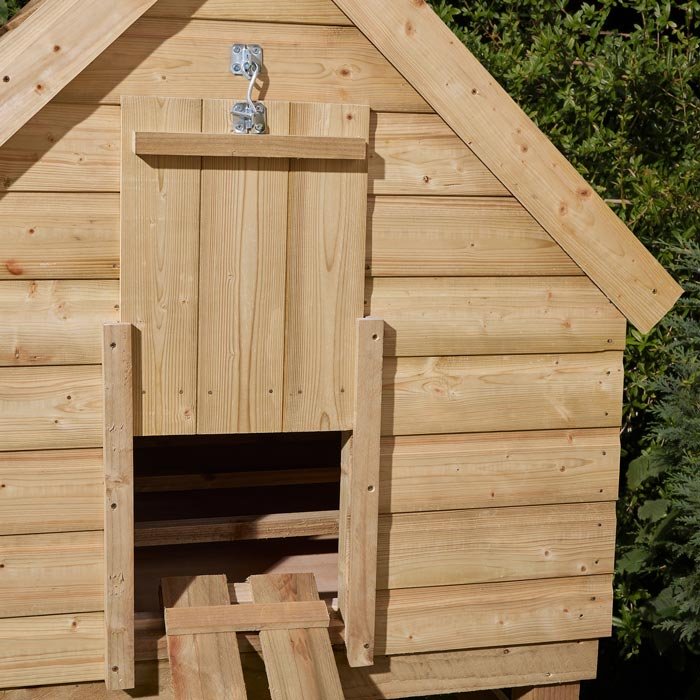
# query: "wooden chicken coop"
{"points": [[310, 361]]}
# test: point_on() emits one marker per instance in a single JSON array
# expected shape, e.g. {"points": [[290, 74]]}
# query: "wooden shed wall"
{"points": [[503, 374]]}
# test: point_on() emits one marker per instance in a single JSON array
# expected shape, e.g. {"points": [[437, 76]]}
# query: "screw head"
{"points": [[259, 128], [236, 49], [236, 67]]}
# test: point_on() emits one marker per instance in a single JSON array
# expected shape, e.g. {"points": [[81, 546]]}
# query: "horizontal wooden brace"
{"points": [[246, 618], [155, 143]]}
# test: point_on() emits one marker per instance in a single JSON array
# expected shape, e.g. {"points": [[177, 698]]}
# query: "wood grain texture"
{"points": [[203, 666], [47, 649], [494, 315], [418, 154], [506, 392], [50, 407], [176, 58], [160, 264], [64, 148], [486, 118], [51, 491], [243, 249], [299, 662], [480, 615], [53, 573], [459, 236], [444, 472], [59, 236], [118, 582], [325, 244], [55, 322], [566, 691], [495, 544]]}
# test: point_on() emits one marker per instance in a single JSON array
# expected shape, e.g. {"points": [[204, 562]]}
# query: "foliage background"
{"points": [[616, 85]]}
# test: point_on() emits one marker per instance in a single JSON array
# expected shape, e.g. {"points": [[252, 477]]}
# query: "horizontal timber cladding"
{"points": [[441, 618], [493, 315], [459, 236], [427, 395], [49, 322], [446, 472], [420, 154], [64, 148], [50, 407], [172, 58], [59, 235], [51, 573], [51, 491], [51, 649], [495, 544]]}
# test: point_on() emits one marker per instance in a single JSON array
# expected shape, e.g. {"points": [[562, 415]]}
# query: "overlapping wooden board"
{"points": [[203, 666], [51, 573], [444, 472], [55, 322], [494, 315], [507, 392], [299, 662], [459, 236], [495, 544]]}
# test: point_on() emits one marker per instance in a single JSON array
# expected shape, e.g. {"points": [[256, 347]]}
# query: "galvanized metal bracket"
{"points": [[246, 59], [248, 117]]}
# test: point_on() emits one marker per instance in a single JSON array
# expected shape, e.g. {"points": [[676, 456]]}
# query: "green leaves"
{"points": [[4, 12]]}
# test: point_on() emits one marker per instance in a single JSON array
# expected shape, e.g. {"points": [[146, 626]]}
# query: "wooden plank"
{"points": [[64, 148], [55, 322], [51, 491], [243, 527], [304, 63], [54, 573], [445, 472], [494, 315], [54, 45], [501, 392], [242, 279], [418, 154], [59, 236], [203, 666], [509, 143], [160, 259], [566, 691], [51, 649], [119, 505], [495, 544], [50, 407], [360, 497], [21, 15], [154, 143], [480, 615], [459, 236], [246, 618], [326, 239], [299, 663], [292, 11]]}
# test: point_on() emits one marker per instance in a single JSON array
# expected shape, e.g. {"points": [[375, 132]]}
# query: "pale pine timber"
{"points": [[495, 544], [51, 491], [160, 219], [507, 392], [360, 497], [494, 315], [153, 143], [59, 236], [204, 666], [48, 322], [446, 472], [243, 237], [486, 118], [119, 505], [566, 691], [300, 664], [459, 236]]}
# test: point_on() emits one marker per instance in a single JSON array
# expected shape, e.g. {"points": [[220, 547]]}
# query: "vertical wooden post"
{"points": [[360, 497], [119, 505], [564, 691]]}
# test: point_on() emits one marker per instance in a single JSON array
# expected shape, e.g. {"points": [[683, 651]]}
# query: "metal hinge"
{"points": [[249, 117]]}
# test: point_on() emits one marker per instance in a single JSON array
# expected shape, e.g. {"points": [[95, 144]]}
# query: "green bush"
{"points": [[9, 8]]}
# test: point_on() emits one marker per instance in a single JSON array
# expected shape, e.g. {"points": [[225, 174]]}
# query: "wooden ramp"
{"points": [[201, 626]]}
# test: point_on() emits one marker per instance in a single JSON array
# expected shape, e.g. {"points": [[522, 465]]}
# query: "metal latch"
{"points": [[249, 117]]}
